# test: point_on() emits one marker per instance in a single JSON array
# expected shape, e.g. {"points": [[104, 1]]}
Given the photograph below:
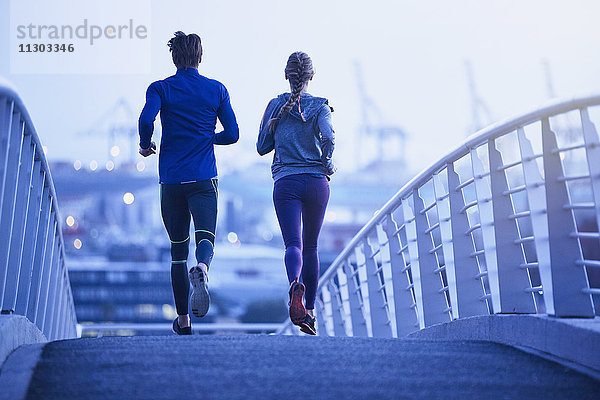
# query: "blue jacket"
{"points": [[189, 106], [302, 146]]}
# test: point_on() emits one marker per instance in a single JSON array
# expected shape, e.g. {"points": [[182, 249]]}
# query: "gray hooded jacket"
{"points": [[301, 146]]}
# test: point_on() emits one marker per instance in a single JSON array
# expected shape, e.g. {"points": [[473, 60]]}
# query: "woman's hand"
{"points": [[332, 169], [149, 151]]}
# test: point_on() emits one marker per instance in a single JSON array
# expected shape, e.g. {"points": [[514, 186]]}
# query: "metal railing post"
{"points": [[46, 272], [355, 300], [569, 279], [49, 308], [344, 293], [536, 198], [463, 264], [513, 281], [486, 218], [337, 312], [59, 306], [404, 303], [592, 154], [379, 315], [29, 239], [442, 209], [322, 315], [41, 243], [432, 306], [6, 115], [15, 142], [24, 178]]}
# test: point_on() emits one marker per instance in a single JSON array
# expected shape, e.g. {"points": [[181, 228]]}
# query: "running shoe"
{"points": [[181, 331], [308, 325], [297, 310], [200, 297]]}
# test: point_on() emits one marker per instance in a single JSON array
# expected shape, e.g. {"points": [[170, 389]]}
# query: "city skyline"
{"points": [[412, 57]]}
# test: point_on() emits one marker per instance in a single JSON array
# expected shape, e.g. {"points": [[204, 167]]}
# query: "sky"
{"points": [[412, 55]]}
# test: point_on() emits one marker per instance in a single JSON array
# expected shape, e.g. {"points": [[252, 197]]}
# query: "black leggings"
{"points": [[177, 203]]}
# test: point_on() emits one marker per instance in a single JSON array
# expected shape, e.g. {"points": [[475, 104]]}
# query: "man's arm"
{"points": [[326, 138], [148, 115], [231, 132]]}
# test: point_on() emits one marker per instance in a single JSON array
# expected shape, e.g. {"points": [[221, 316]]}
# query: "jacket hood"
{"points": [[310, 105]]}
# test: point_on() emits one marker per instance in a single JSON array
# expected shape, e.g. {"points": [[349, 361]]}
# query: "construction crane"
{"points": [[389, 140], [118, 121], [549, 82], [480, 113]]}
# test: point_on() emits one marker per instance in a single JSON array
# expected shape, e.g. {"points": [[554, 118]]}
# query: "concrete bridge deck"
{"points": [[279, 367]]}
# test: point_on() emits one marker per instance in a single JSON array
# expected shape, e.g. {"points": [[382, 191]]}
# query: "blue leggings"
{"points": [[179, 203], [300, 202]]}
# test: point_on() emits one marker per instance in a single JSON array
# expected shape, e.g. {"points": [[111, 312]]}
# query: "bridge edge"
{"points": [[576, 340], [15, 331]]}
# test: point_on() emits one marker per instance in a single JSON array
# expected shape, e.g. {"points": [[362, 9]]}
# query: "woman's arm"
{"points": [[266, 141], [231, 132], [148, 115], [326, 138]]}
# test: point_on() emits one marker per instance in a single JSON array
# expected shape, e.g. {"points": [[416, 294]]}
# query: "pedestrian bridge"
{"points": [[479, 278]]}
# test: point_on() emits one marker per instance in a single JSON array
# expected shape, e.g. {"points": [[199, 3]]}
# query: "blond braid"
{"points": [[298, 71]]}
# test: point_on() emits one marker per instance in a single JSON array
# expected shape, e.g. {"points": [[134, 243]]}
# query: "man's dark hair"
{"points": [[186, 50]]}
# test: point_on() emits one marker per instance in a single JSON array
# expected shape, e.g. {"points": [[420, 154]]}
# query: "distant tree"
{"points": [[270, 310]]}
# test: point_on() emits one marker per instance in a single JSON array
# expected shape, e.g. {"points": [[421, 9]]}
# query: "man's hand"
{"points": [[149, 151]]}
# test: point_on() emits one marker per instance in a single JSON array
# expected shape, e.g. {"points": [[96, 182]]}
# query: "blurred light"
{"points": [[115, 151], [237, 244], [128, 198], [169, 311], [77, 244], [77, 165], [93, 165], [268, 236], [110, 165], [94, 233], [562, 156], [330, 216], [145, 309], [45, 149], [232, 237], [70, 221], [141, 166]]}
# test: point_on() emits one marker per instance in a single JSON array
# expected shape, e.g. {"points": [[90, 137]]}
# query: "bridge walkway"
{"points": [[280, 367]]}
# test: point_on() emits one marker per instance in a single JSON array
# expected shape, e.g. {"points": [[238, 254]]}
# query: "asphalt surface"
{"points": [[284, 367]]}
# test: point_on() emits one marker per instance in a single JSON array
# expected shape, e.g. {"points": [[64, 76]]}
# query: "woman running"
{"points": [[189, 106], [298, 127]]}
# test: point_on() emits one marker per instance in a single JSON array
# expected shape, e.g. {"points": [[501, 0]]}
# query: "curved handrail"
{"points": [[41, 291], [477, 139], [467, 148]]}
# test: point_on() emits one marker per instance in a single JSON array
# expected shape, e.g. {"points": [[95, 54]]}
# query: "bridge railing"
{"points": [[33, 276], [505, 223]]}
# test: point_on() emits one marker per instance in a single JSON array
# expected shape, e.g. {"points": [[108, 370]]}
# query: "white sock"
{"points": [[183, 321]]}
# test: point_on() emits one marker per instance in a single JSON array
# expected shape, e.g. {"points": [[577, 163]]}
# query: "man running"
{"points": [[189, 106]]}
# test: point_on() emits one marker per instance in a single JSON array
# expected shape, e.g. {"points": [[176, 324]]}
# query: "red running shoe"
{"points": [[297, 310]]}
